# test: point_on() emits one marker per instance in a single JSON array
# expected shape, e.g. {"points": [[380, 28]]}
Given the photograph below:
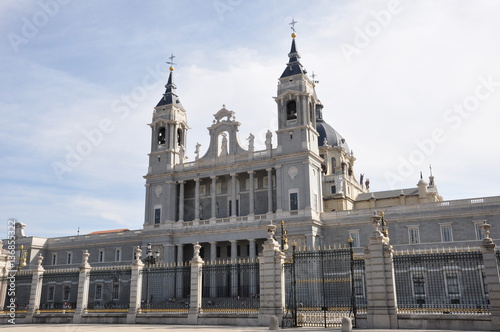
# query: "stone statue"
{"points": [[182, 154], [367, 184], [197, 151], [197, 249], [223, 146], [325, 142], [269, 136], [251, 139], [361, 176]]}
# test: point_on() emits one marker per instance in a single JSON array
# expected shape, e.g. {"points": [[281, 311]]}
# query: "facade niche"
{"points": [[161, 136], [291, 110]]}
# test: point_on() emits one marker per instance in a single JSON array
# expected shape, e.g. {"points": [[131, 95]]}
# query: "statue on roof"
{"points": [[251, 140], [269, 136]]}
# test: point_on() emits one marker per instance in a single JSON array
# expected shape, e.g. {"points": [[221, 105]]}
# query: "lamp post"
{"points": [[150, 260], [284, 237], [21, 262]]}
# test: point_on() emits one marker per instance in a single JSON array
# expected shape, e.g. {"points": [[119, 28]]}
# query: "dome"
{"points": [[333, 138]]}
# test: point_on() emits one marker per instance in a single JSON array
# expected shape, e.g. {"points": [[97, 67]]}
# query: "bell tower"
{"points": [[168, 129], [296, 103]]}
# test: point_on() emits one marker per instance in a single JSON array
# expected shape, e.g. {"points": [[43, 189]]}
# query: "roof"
{"points": [[293, 67], [387, 194], [111, 231], [170, 96], [333, 138]]}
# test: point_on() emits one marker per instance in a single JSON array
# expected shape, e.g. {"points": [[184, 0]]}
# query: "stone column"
{"points": [[180, 254], [36, 290], [197, 199], [251, 249], [180, 261], [213, 192], [269, 190], [147, 210], [380, 285], [253, 274], [83, 289], [233, 195], [251, 194], [135, 286], [196, 286], [492, 276], [213, 251], [234, 273], [272, 279], [279, 188], [181, 200]]}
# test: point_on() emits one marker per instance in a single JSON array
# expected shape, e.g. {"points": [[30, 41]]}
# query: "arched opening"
{"points": [[291, 110], [334, 164], [161, 135], [180, 137]]}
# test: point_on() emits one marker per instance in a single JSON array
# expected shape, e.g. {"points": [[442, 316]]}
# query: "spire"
{"points": [[170, 96], [293, 67]]}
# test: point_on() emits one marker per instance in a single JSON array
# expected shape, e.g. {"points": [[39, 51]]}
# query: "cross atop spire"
{"points": [[293, 24], [171, 62]]}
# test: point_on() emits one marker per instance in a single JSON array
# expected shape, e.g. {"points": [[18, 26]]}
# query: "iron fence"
{"points": [[19, 289], [323, 286], [59, 290], [230, 288], [441, 282], [166, 288], [109, 289]]}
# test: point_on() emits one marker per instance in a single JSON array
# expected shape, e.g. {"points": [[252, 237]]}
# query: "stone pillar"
{"points": [[83, 289], [147, 210], [272, 279], [380, 285], [197, 199], [36, 290], [251, 194], [234, 273], [251, 249], [492, 276], [196, 286], [233, 195], [213, 191], [180, 254], [169, 253], [269, 190], [279, 188], [213, 251], [253, 274], [135, 286], [181, 200]]}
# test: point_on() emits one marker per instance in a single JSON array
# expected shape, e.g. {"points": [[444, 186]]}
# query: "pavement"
{"points": [[154, 328]]}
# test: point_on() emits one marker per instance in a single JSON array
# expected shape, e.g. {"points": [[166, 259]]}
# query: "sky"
{"points": [[408, 84]]}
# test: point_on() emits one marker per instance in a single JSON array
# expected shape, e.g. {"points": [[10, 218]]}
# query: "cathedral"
{"points": [[306, 185]]}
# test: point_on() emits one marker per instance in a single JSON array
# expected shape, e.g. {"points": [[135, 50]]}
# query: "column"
{"points": [[213, 277], [251, 194], [269, 190], [179, 282], [233, 194], [492, 276], [279, 194], [197, 199], [213, 251], [181, 200], [272, 279], [196, 286], [253, 274], [234, 272], [147, 210], [36, 290], [180, 254], [83, 288], [381, 290], [213, 191]]}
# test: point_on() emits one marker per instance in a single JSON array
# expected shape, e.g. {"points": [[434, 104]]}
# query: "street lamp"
{"points": [[284, 237], [150, 260], [21, 262]]}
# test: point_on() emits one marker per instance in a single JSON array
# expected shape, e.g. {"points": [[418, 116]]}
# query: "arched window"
{"points": [[180, 137], [334, 164], [311, 112], [161, 135], [291, 110]]}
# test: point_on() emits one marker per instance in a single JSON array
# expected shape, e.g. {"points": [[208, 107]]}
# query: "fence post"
{"points": [[83, 289], [36, 290], [196, 285], [4, 272], [492, 276], [381, 292], [135, 287], [272, 279]]}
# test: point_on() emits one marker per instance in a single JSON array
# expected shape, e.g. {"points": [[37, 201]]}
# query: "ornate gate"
{"points": [[321, 287]]}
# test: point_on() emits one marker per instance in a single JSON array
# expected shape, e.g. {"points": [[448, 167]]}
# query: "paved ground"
{"points": [[154, 328]]}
